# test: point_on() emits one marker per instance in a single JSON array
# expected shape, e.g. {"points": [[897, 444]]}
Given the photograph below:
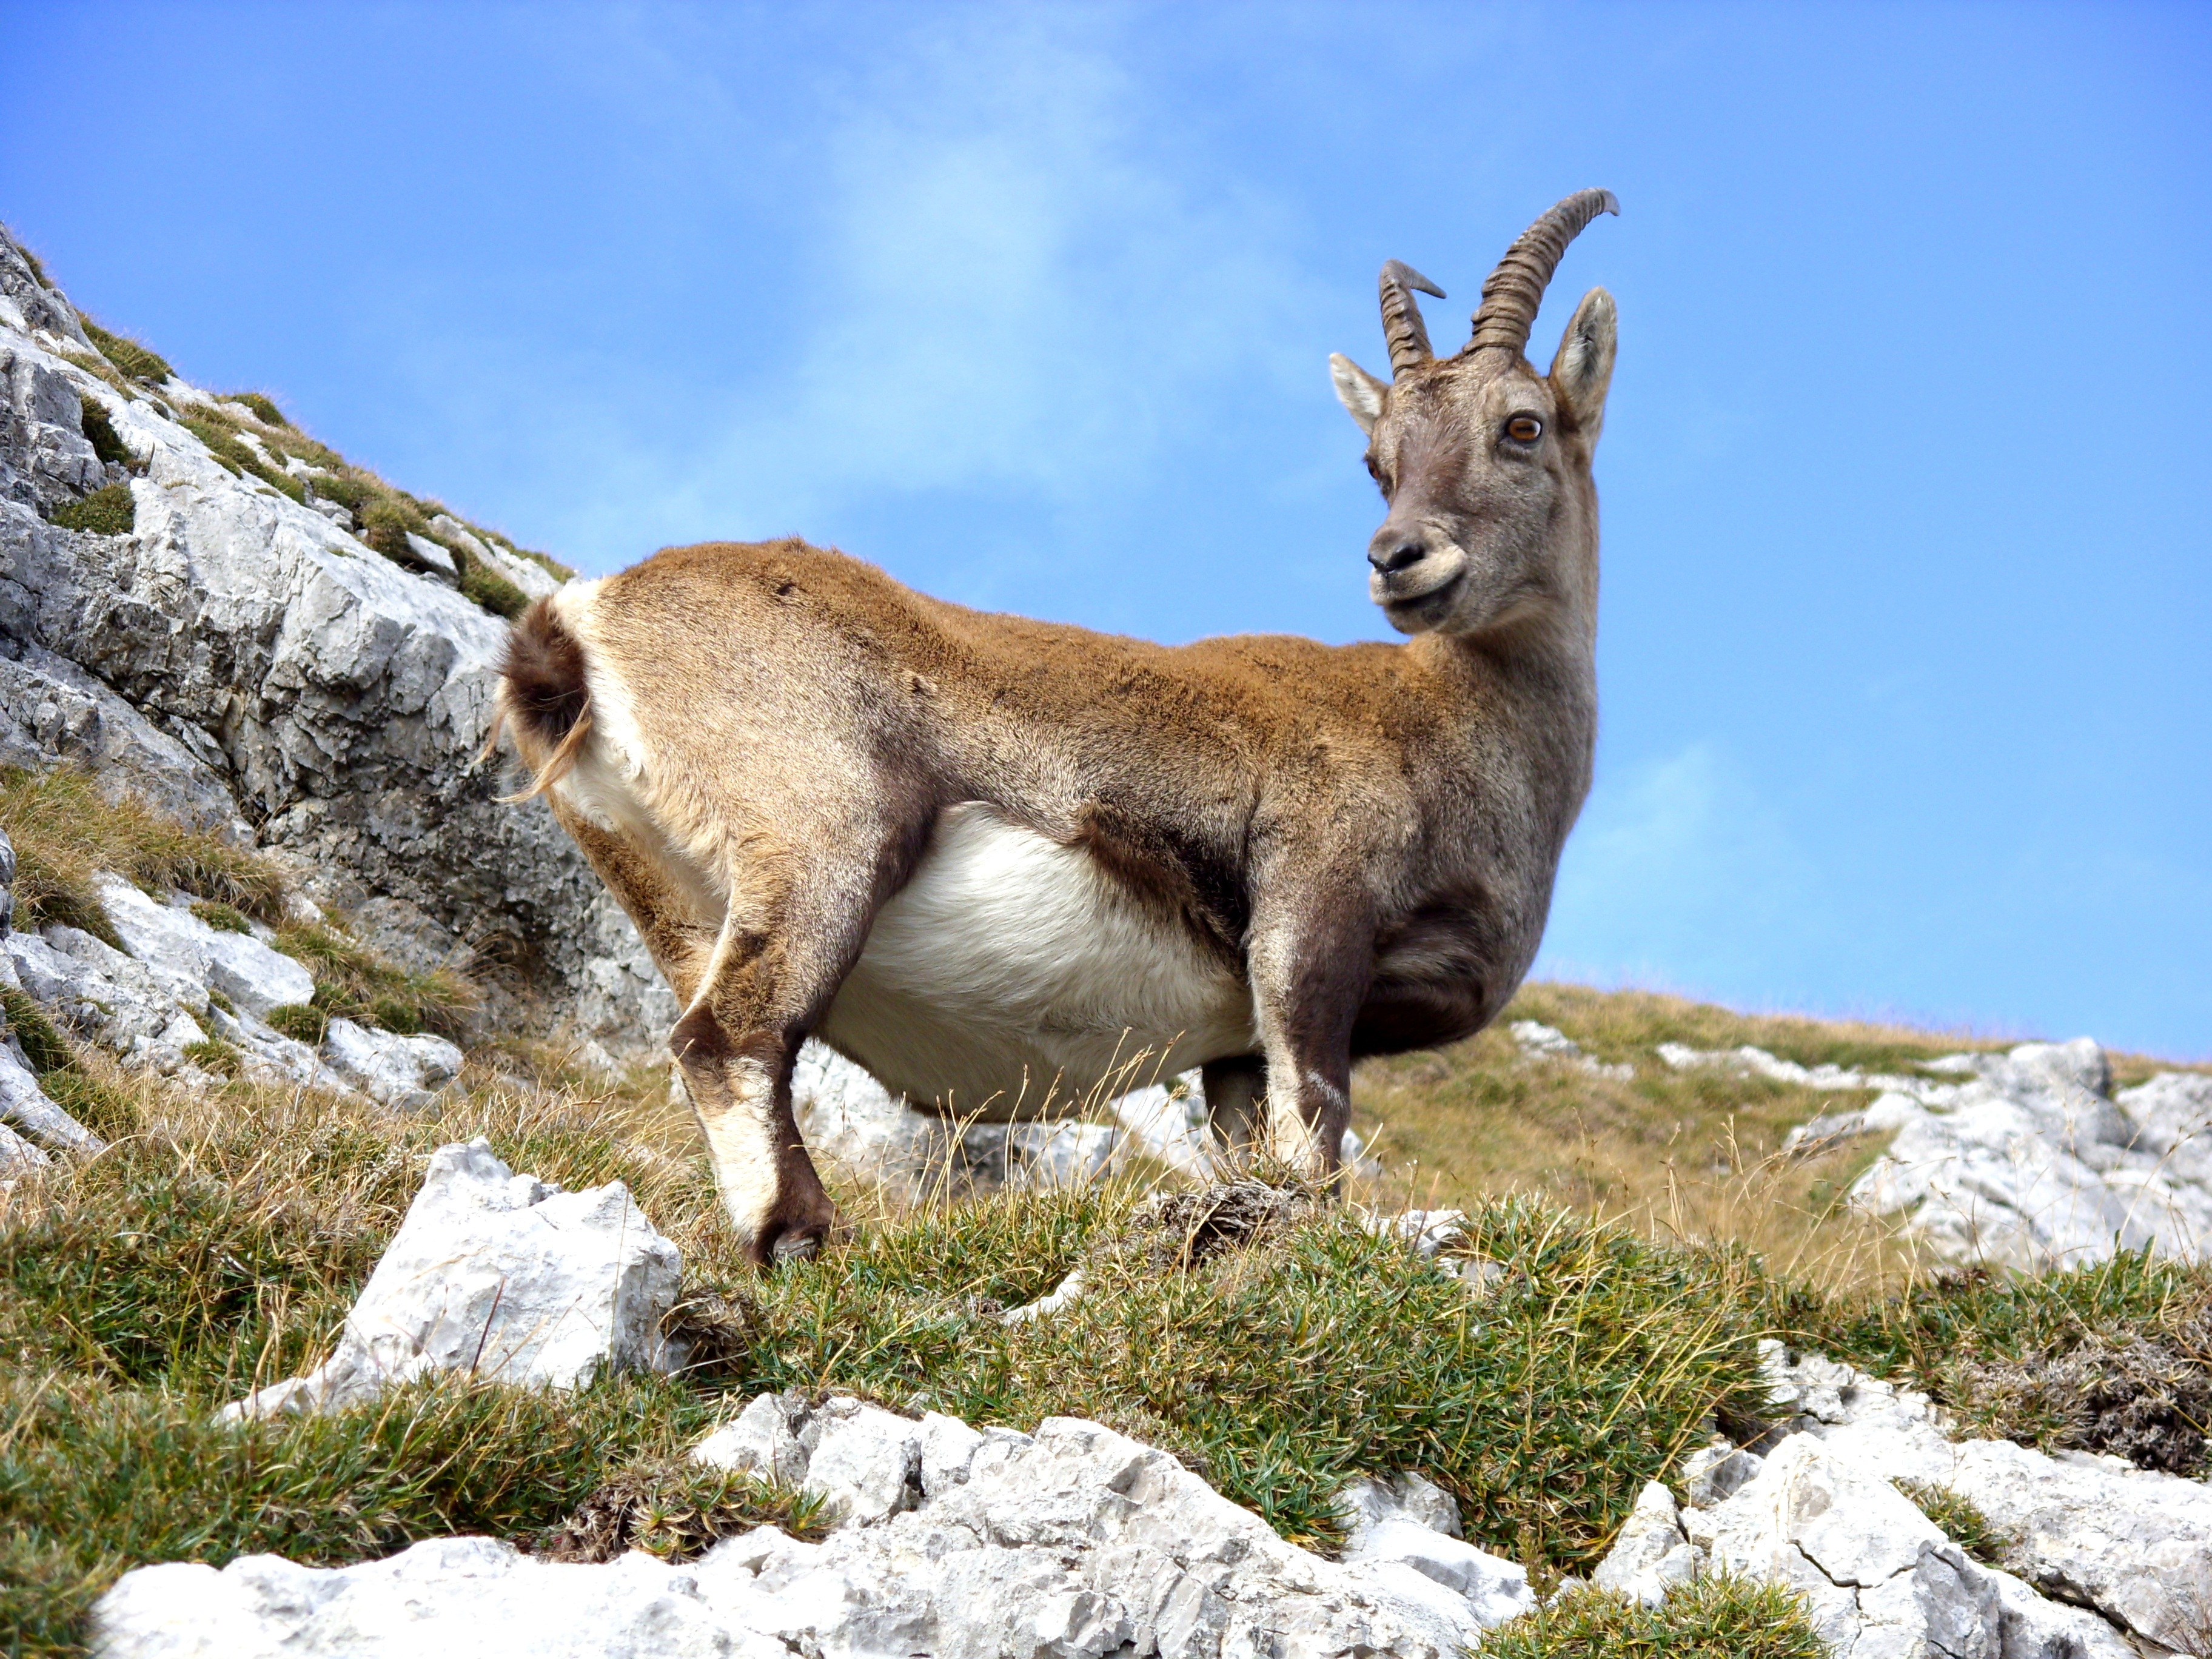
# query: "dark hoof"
{"points": [[795, 1247]]}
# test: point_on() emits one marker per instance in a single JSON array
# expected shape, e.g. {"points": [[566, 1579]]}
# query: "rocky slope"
{"points": [[1076, 1541], [247, 660]]}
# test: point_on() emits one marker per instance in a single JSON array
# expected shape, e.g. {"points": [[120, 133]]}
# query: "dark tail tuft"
{"points": [[544, 694]]}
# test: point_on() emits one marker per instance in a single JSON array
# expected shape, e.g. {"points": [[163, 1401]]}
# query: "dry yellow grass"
{"points": [[1691, 1155]]}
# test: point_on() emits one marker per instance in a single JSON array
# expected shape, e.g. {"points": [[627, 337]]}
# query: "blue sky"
{"points": [[1907, 650]]}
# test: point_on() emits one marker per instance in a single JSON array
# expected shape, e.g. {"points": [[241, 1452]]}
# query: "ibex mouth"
{"points": [[1410, 614]]}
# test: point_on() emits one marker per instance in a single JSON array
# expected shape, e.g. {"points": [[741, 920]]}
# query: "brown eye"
{"points": [[1524, 429]]}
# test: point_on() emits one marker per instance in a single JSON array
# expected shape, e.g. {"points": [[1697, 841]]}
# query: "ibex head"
{"points": [[1485, 464]]}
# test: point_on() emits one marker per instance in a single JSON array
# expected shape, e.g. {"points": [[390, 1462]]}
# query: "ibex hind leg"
{"points": [[795, 925], [1234, 1090]]}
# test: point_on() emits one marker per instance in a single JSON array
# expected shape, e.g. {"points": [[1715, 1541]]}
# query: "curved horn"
{"points": [[1516, 289], [1401, 315]]}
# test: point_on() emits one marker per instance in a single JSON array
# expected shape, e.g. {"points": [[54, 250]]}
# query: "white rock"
{"points": [[1650, 1557], [2134, 1544], [18, 1156], [103, 996], [2169, 1115], [766, 1439], [342, 698], [533, 578], [502, 1276], [404, 1073], [864, 1462], [1429, 1231], [1878, 1577], [188, 957], [1538, 1040], [2030, 1166], [1494, 1589], [1711, 1474], [434, 558], [1167, 1123], [30, 1109], [1069, 1290], [1370, 1500], [1074, 1543], [448, 1596], [1038, 1157], [1758, 1062]]}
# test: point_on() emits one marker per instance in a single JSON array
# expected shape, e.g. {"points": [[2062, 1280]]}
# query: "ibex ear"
{"points": [[1583, 368], [1356, 390]]}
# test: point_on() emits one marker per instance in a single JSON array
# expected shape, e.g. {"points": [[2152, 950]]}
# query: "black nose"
{"points": [[1389, 561]]}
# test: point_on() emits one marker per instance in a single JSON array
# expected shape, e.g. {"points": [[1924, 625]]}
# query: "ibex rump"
{"points": [[984, 856]]}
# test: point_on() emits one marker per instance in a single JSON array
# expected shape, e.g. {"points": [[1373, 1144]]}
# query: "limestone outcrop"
{"points": [[501, 1276], [244, 661]]}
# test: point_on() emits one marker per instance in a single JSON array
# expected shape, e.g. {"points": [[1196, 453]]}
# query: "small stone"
{"points": [[498, 1275]]}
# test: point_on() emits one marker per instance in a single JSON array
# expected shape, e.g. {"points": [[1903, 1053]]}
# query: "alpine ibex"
{"points": [[985, 856]]}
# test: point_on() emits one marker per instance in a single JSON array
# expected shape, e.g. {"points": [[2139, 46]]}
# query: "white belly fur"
{"points": [[1012, 977]]}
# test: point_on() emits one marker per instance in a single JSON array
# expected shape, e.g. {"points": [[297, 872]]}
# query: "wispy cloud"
{"points": [[1011, 278], [1681, 873]]}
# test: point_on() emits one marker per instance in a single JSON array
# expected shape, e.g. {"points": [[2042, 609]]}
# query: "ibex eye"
{"points": [[1524, 429]]}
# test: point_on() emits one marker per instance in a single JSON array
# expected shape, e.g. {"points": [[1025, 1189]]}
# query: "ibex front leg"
{"points": [[1310, 961]]}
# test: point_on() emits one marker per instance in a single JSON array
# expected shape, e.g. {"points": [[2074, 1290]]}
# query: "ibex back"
{"points": [[995, 859]]}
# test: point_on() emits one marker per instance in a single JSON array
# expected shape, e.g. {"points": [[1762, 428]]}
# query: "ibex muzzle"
{"points": [[997, 861]]}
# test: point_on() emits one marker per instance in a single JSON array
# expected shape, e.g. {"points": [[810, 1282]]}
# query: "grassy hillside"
{"points": [[1682, 1154], [1643, 1235]]}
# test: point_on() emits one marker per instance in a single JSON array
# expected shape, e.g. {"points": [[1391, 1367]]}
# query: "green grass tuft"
{"points": [[214, 1054], [43, 1045], [386, 524], [66, 830], [224, 918], [99, 431], [676, 1510], [238, 458], [108, 511], [1716, 1617], [490, 589], [353, 982], [134, 361], [301, 1021], [264, 407], [1962, 1522], [94, 1481], [1283, 1370]]}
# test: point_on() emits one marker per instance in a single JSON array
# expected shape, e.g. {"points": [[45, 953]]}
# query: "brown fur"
{"points": [[760, 740], [543, 694]]}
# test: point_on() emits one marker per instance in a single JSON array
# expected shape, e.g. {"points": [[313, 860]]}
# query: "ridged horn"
{"points": [[1401, 315], [1516, 289]]}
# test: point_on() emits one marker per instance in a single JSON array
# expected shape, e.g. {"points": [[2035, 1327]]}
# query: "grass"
{"points": [[101, 433], [134, 361], [81, 1089], [490, 589], [1716, 1617], [1962, 1522], [66, 830], [216, 1247], [110, 510], [385, 514], [265, 408], [353, 982], [211, 429], [2113, 1357], [218, 1242], [1685, 1155], [224, 918]]}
